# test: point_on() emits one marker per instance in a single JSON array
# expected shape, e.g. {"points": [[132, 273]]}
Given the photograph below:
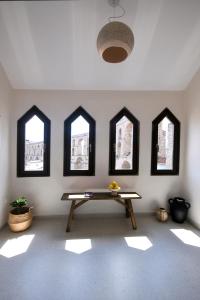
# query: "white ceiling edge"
{"points": [[51, 45]]}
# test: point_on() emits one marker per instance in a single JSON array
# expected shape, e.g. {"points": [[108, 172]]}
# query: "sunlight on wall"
{"points": [[187, 237], [78, 246], [139, 242], [16, 246]]}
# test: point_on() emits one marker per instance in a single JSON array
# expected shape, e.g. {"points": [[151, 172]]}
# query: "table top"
{"points": [[100, 196]]}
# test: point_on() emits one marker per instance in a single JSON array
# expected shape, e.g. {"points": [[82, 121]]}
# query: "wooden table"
{"points": [[123, 198]]}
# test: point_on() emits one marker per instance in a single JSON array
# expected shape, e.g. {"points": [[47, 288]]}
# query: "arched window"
{"points": [[124, 144], [79, 130], [165, 144], [33, 133]]}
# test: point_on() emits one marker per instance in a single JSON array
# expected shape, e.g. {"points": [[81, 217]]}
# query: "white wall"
{"points": [[191, 179], [45, 193], [5, 94]]}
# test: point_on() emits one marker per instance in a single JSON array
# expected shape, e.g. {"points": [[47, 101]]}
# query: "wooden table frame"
{"points": [[78, 201]]}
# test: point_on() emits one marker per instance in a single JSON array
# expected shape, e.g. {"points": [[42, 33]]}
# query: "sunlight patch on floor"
{"points": [[78, 246], [16, 246], [187, 237], [138, 242]]}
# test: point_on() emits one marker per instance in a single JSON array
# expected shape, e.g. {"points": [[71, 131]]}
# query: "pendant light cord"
{"points": [[119, 16]]}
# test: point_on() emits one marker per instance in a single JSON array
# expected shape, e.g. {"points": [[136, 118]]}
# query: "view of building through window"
{"points": [[165, 145], [124, 144], [79, 144], [34, 145]]}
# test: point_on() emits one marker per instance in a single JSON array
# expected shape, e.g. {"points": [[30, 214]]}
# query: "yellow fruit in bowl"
{"points": [[114, 186]]}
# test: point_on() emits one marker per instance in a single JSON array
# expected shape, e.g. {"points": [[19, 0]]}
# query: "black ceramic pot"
{"points": [[178, 209]]}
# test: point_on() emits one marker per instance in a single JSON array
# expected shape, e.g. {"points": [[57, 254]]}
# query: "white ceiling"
{"points": [[52, 44]]}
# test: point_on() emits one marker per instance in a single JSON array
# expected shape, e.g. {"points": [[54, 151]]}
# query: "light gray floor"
{"points": [[169, 269]]}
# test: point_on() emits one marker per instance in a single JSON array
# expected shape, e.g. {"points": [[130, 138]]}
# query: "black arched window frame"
{"points": [[21, 144], [112, 148], [176, 145], [67, 144]]}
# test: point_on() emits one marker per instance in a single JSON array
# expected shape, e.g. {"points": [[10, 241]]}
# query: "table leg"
{"points": [[126, 209], [70, 216], [133, 221]]}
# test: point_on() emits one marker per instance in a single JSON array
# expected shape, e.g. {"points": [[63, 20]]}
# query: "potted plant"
{"points": [[20, 216]]}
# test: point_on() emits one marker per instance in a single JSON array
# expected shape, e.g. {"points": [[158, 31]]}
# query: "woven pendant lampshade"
{"points": [[115, 42]]}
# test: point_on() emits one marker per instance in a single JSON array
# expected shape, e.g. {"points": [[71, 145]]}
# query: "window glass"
{"points": [[124, 144], [165, 145], [79, 144], [34, 145]]}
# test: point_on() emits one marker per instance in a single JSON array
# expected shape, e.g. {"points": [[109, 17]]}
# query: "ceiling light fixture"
{"points": [[115, 40]]}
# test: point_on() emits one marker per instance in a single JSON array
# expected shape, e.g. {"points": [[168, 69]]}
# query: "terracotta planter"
{"points": [[20, 222], [162, 215]]}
